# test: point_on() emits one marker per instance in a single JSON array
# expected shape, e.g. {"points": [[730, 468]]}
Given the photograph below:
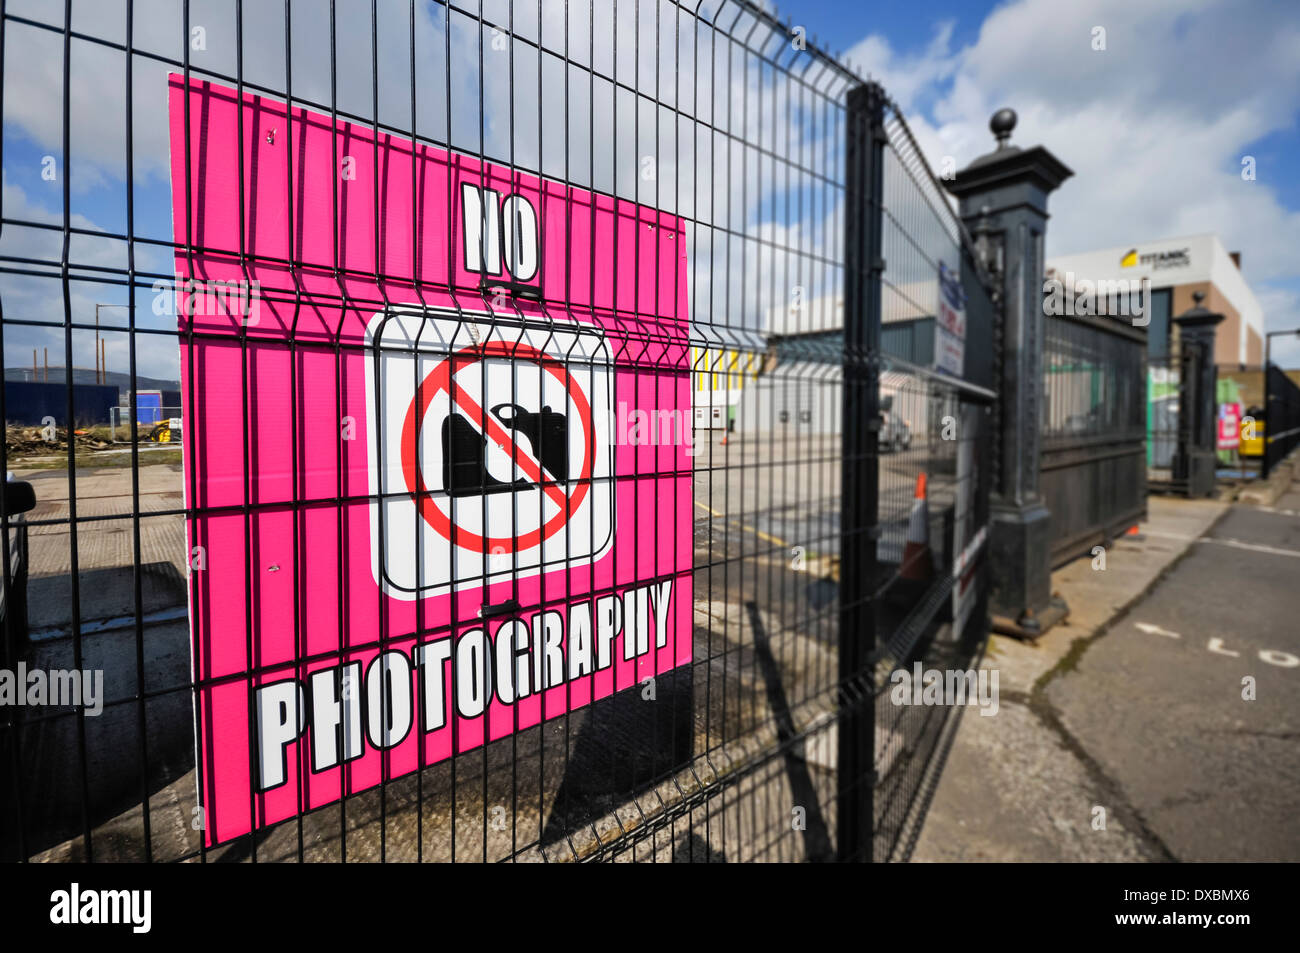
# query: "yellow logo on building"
{"points": [[1130, 259]]}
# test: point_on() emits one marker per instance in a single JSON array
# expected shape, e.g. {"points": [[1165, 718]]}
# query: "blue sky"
{"points": [[1154, 126], [909, 27]]}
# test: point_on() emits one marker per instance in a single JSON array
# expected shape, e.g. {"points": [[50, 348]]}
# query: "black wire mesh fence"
{"points": [[524, 493], [1281, 417], [934, 469]]}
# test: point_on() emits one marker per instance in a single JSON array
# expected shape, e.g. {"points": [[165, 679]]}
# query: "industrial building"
{"points": [[1178, 268]]}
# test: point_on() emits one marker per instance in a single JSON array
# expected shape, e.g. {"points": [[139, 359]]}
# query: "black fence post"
{"points": [[1194, 459], [1265, 464], [864, 187], [1281, 417]]}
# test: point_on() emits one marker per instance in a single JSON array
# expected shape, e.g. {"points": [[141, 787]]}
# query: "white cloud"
{"points": [[907, 77], [1282, 313], [38, 295], [1154, 126]]}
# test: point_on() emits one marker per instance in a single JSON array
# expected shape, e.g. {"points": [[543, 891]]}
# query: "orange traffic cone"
{"points": [[917, 563]]}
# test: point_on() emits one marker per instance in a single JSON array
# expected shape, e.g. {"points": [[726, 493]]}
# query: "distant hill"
{"points": [[86, 375]]}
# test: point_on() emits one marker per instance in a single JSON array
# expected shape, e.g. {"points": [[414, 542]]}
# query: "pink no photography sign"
{"points": [[418, 518]]}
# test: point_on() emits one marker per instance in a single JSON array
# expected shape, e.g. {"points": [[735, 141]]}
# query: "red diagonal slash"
{"points": [[438, 381]]}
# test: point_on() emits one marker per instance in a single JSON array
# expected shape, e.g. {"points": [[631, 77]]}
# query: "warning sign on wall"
{"points": [[413, 522]]}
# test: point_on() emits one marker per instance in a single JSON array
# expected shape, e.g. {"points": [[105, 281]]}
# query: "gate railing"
{"points": [[1094, 443], [1281, 417]]}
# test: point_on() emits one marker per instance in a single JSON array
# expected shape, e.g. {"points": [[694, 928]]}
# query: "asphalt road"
{"points": [[1159, 703]]}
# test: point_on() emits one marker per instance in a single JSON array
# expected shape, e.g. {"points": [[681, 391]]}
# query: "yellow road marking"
{"points": [[766, 537]]}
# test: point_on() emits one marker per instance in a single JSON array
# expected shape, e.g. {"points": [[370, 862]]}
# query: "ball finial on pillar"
{"points": [[1003, 121]]}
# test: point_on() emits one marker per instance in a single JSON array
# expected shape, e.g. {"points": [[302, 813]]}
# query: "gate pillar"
{"points": [[1003, 200], [1194, 459]]}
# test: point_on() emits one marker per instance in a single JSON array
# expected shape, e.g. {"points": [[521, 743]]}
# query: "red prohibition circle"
{"points": [[438, 381]]}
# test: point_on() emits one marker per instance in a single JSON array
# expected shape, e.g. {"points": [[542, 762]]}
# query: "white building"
{"points": [[1178, 267]]}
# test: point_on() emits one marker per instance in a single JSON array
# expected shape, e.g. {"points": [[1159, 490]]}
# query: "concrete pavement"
{"points": [[137, 746], [1132, 708], [553, 791], [1133, 715]]}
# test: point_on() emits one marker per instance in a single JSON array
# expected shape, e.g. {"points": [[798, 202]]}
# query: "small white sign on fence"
{"points": [[950, 324]]}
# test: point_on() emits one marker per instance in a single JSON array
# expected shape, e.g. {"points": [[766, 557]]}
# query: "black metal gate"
{"points": [[817, 509], [1282, 416], [1094, 457]]}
